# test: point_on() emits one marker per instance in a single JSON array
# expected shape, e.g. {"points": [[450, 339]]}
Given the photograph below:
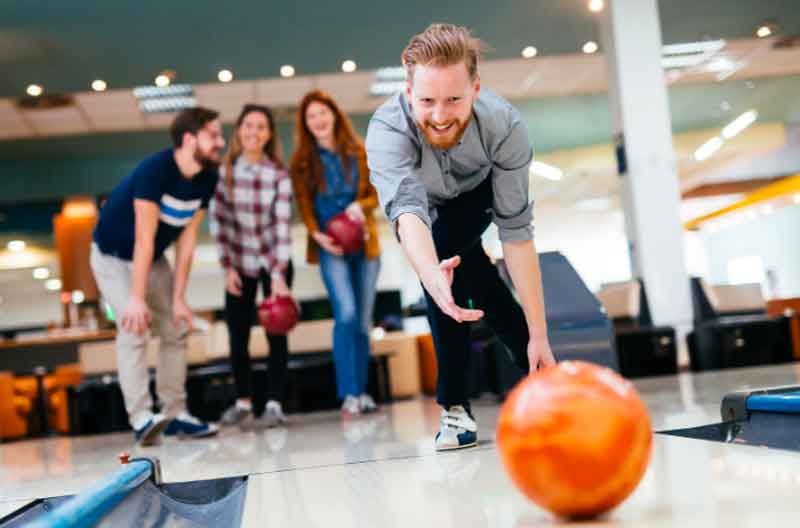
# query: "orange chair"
{"points": [[14, 409], [55, 386]]}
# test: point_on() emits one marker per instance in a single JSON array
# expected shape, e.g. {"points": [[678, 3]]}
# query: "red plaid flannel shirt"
{"points": [[251, 224]]}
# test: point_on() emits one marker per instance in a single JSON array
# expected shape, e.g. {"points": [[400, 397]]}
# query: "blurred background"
{"points": [[76, 116]]}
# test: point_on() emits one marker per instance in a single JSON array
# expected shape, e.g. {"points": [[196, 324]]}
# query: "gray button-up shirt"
{"points": [[413, 177]]}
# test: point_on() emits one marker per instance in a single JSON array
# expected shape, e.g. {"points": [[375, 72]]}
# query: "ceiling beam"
{"points": [[733, 187]]}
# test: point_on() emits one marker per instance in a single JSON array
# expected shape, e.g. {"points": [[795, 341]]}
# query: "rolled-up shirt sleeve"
{"points": [[392, 159], [513, 210]]}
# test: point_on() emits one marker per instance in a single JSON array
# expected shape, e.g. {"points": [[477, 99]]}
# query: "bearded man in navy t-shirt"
{"points": [[161, 202]]}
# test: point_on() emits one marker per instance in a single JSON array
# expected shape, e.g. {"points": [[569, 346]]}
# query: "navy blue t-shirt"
{"points": [[159, 180]]}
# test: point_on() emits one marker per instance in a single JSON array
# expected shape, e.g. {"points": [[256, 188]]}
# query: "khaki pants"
{"points": [[114, 277]]}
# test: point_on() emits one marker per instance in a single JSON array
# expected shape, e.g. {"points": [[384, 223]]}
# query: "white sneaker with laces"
{"points": [[351, 406], [367, 404], [273, 414], [236, 414], [458, 429]]}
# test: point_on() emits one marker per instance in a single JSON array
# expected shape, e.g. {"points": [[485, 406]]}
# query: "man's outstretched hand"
{"points": [[438, 282]]}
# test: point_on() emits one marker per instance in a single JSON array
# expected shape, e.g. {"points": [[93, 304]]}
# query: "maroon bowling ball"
{"points": [[278, 315], [347, 233]]}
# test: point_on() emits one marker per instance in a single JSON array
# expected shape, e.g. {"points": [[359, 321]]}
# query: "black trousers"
{"points": [[457, 231], [240, 315]]}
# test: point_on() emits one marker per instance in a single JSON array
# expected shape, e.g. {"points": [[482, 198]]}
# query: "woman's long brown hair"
{"points": [[348, 142], [272, 148]]}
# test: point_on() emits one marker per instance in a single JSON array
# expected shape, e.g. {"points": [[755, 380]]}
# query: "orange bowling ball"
{"points": [[575, 438]]}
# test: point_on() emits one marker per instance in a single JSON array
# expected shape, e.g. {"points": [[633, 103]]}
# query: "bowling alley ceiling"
{"points": [[64, 46]]}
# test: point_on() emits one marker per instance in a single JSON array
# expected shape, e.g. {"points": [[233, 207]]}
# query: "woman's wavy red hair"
{"points": [[305, 158]]}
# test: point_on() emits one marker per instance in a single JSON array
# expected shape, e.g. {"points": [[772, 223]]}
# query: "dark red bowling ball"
{"points": [[279, 314], [347, 233]]}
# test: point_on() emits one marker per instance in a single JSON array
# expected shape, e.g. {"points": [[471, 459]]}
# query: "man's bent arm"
{"points": [[146, 213], [523, 266]]}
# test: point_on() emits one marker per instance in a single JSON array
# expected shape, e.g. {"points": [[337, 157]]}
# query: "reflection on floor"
{"points": [[383, 470]]}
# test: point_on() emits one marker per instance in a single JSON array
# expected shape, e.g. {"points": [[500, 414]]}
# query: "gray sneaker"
{"points": [[236, 415], [273, 414], [273, 417]]}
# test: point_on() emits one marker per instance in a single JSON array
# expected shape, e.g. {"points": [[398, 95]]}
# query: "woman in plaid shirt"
{"points": [[249, 218]]}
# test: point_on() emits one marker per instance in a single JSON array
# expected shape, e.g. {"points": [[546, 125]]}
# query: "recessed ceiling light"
{"points": [[590, 47], [529, 52], [225, 76], [287, 70], [796, 198], [41, 273], [162, 81], [595, 6], [16, 246], [349, 66], [34, 90], [99, 85], [763, 31]]}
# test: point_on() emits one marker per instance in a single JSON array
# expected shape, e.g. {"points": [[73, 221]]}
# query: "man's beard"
{"points": [[439, 142], [205, 160]]}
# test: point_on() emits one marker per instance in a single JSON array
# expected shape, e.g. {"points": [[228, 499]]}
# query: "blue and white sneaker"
{"points": [[187, 426], [458, 429], [150, 433]]}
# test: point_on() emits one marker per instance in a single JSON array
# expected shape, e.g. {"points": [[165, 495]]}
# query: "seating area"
{"points": [[732, 328], [643, 349], [395, 371], [84, 397], [36, 404]]}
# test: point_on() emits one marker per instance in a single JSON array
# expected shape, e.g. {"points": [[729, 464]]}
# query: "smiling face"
{"points": [[254, 132], [321, 121], [442, 98]]}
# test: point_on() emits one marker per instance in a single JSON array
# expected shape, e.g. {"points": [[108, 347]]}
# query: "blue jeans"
{"points": [[351, 282]]}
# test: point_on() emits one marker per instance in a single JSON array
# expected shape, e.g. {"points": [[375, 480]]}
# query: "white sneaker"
{"points": [[149, 432], [273, 414], [458, 429], [367, 404], [351, 406], [236, 414]]}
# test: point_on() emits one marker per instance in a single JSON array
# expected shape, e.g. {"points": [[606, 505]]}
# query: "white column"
{"points": [[631, 39]]}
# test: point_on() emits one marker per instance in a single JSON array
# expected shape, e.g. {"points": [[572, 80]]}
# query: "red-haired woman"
{"points": [[330, 175], [250, 216]]}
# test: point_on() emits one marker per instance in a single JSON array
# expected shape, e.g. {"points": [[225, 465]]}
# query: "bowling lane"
{"points": [[401, 434], [65, 465], [688, 484], [9, 507]]}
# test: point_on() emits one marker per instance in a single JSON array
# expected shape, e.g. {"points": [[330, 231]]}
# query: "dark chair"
{"points": [[721, 341], [643, 348]]}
